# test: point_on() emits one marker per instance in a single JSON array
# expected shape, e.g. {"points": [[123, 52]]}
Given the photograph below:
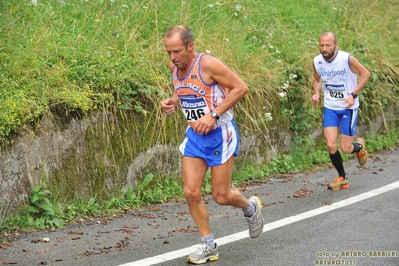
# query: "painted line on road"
{"points": [[268, 227]]}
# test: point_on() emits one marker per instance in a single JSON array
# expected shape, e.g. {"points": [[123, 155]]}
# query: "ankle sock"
{"points": [[209, 240], [250, 210], [356, 147]]}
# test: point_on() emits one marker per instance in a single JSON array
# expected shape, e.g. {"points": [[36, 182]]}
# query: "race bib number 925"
{"points": [[336, 91]]}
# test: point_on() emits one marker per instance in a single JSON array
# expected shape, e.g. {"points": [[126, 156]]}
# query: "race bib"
{"points": [[193, 108], [336, 91]]}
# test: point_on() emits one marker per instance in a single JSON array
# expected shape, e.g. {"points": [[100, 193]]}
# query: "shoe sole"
{"points": [[214, 258], [367, 158], [363, 143], [338, 188]]}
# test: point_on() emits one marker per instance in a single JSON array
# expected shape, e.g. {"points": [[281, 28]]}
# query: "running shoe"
{"points": [[362, 155], [255, 222], [339, 183], [203, 254]]}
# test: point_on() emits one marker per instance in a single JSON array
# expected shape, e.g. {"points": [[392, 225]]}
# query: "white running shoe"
{"points": [[203, 254], [255, 222]]}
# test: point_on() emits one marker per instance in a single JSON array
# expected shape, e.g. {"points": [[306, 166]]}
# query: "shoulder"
{"points": [[209, 60], [344, 54], [317, 58], [211, 64]]}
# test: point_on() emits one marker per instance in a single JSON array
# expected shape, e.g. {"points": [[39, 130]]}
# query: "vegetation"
{"points": [[74, 57]]}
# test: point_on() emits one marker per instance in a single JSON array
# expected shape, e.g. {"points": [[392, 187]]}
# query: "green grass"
{"points": [[85, 56]]}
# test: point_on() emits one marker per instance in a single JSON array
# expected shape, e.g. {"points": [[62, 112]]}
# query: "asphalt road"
{"points": [[306, 224]]}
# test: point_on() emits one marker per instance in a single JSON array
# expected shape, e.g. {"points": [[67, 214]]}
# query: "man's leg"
{"points": [[224, 195], [221, 186], [331, 135], [194, 170]]}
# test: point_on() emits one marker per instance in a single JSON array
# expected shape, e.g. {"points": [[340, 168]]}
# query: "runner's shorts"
{"points": [[215, 148], [345, 119]]}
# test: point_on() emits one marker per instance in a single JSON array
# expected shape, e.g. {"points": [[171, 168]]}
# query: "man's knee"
{"points": [[221, 199], [192, 195]]}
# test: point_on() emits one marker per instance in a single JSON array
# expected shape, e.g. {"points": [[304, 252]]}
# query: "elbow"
{"points": [[245, 90], [368, 75]]}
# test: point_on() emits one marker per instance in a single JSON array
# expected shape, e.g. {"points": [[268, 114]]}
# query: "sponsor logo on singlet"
{"points": [[194, 88], [331, 73]]}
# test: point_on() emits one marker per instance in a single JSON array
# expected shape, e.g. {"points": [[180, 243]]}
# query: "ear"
{"points": [[191, 46]]}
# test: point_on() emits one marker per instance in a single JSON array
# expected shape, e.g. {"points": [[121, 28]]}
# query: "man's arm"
{"points": [[316, 86], [360, 70], [364, 74], [169, 105], [214, 70]]}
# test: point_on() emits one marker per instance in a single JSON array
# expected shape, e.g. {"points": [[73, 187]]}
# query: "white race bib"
{"points": [[193, 108], [336, 92]]}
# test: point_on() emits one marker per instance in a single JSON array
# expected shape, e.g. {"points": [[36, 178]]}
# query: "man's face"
{"points": [[178, 53], [327, 47]]}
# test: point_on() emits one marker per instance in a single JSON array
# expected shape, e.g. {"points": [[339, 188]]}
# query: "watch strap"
{"points": [[214, 114]]}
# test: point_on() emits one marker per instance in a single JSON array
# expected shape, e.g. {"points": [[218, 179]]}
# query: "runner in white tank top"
{"points": [[335, 73]]}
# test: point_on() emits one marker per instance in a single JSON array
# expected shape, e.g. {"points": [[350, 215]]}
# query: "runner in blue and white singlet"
{"points": [[338, 80], [335, 74]]}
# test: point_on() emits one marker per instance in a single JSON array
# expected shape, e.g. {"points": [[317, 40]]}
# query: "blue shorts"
{"points": [[215, 148], [344, 119]]}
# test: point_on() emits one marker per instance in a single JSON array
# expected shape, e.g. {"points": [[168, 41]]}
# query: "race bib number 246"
{"points": [[194, 108]]}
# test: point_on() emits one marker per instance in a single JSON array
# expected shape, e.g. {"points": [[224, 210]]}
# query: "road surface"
{"points": [[306, 224]]}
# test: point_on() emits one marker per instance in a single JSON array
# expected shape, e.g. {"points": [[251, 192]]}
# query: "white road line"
{"points": [[268, 227]]}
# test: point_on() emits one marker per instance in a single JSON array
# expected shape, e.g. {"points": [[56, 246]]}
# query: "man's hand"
{"points": [[168, 106], [315, 98], [349, 101], [204, 124]]}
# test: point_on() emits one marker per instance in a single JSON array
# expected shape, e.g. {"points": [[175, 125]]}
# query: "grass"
{"points": [[62, 58]]}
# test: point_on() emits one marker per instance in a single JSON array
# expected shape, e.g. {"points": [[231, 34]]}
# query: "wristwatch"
{"points": [[214, 114], [354, 95]]}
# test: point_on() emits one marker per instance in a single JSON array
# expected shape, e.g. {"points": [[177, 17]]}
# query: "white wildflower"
{"points": [[268, 116], [210, 5], [34, 2], [286, 85], [282, 94], [208, 51]]}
